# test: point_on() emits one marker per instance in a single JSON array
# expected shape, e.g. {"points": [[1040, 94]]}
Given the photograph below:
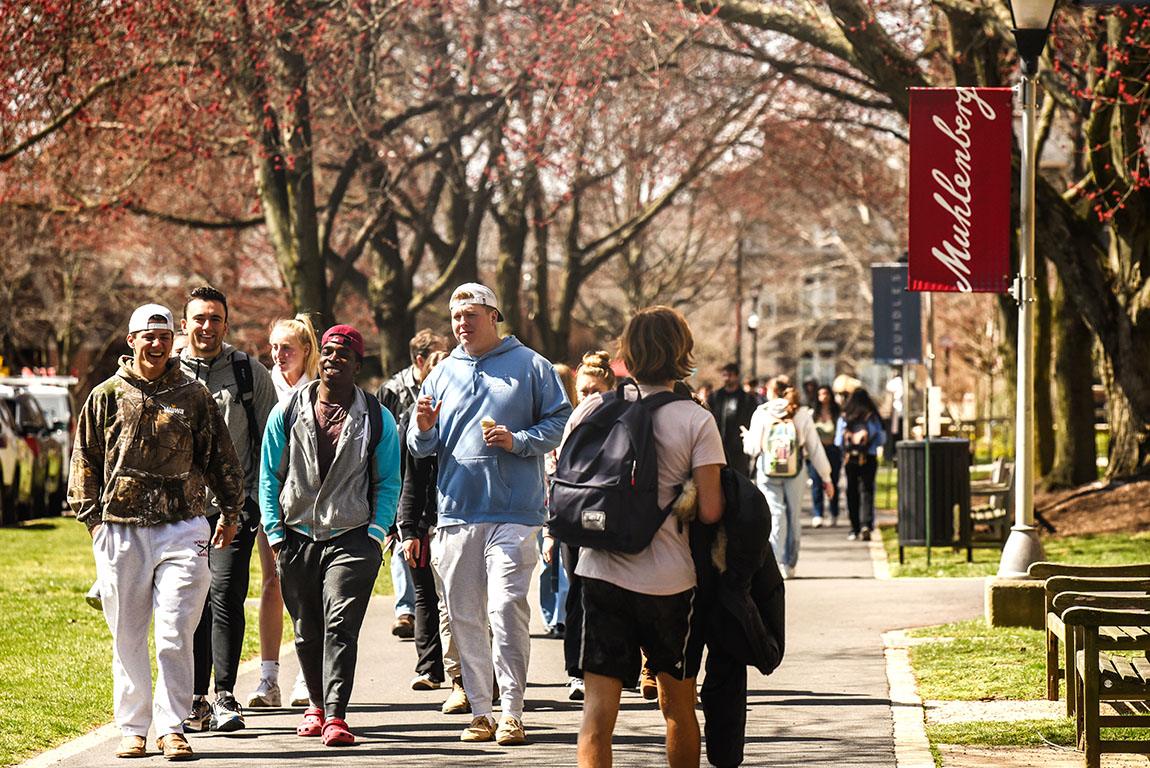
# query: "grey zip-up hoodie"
{"points": [[219, 377], [292, 495]]}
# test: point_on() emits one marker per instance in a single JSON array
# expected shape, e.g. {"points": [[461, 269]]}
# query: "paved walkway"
{"points": [[827, 705]]}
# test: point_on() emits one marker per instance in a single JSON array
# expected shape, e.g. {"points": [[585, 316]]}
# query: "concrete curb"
{"points": [[878, 556], [111, 731], [911, 746]]}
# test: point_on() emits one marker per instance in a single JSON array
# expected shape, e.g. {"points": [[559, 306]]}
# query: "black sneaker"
{"points": [[201, 715], [227, 715]]}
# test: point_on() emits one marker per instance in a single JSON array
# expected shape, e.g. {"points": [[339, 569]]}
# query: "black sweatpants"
{"points": [[326, 588], [860, 493], [219, 636], [428, 647], [573, 636]]}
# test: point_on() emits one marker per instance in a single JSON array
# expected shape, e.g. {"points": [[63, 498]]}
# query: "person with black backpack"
{"points": [[639, 594], [329, 486], [859, 434], [244, 391]]}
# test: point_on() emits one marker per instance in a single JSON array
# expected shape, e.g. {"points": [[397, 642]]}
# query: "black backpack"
{"points": [[605, 490]]}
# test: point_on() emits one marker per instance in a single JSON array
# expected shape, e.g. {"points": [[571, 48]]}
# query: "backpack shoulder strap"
{"points": [[375, 434], [289, 418], [245, 381]]}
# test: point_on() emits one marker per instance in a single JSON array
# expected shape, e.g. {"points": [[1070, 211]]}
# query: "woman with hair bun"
{"points": [[594, 374]]}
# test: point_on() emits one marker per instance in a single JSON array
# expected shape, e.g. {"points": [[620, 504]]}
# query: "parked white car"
{"points": [[16, 468], [56, 401]]}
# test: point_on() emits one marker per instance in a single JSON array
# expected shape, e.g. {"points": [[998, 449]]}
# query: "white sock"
{"points": [[270, 670]]}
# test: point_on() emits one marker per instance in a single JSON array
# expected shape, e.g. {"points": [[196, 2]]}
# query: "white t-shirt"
{"points": [[284, 390], [685, 437]]}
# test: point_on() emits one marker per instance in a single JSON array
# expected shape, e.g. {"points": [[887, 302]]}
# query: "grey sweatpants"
{"points": [[486, 570]]}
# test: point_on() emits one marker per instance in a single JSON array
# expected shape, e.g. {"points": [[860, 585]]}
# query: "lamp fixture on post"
{"points": [[1031, 28], [753, 327]]}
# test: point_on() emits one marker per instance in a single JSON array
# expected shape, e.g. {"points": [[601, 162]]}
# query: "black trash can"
{"points": [[949, 494]]}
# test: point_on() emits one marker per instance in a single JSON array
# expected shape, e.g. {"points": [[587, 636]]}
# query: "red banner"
{"points": [[960, 177]]}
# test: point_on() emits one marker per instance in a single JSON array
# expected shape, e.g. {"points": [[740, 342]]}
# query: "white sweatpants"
{"points": [[147, 571], [486, 570]]}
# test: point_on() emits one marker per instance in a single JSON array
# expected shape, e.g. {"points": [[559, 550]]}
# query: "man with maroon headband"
{"points": [[329, 485]]}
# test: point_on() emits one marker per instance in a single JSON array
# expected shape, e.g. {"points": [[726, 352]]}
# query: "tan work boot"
{"points": [[457, 703], [482, 728]]}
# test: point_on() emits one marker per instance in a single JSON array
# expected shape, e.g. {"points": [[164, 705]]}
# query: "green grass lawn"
{"points": [[1092, 549], [55, 651], [971, 660]]}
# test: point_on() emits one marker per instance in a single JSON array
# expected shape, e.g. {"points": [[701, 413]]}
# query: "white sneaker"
{"points": [[266, 694], [576, 690], [424, 682], [299, 695], [816, 522]]}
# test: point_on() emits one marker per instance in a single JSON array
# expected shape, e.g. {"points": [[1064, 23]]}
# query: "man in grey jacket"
{"points": [[244, 391], [329, 485]]}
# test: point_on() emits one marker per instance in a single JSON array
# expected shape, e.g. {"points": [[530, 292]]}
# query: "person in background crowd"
{"points": [[327, 497], [732, 407], [148, 441], [811, 393], [825, 414], [437, 658], [593, 376], [295, 363], [751, 387], [859, 434], [646, 600], [245, 393], [779, 429], [491, 411], [398, 395], [704, 392], [554, 585], [179, 344]]}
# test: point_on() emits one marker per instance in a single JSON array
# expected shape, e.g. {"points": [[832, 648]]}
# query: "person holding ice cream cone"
{"points": [[491, 411]]}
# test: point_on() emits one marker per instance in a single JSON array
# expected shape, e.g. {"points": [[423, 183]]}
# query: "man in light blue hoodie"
{"points": [[491, 411]]}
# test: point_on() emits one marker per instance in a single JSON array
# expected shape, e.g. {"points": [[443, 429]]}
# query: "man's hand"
{"points": [[499, 437], [276, 549], [224, 534], [93, 529], [548, 547], [411, 551], [829, 489], [425, 414]]}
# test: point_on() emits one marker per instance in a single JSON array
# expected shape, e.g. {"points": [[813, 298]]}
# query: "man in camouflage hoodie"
{"points": [[148, 441]]}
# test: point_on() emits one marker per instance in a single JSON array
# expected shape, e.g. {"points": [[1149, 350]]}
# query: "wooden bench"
{"points": [[1101, 579], [1118, 622], [995, 514]]}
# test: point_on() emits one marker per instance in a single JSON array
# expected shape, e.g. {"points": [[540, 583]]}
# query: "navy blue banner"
{"points": [[897, 316]]}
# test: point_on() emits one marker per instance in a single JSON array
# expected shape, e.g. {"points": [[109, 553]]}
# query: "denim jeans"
{"points": [[784, 498], [553, 587]]}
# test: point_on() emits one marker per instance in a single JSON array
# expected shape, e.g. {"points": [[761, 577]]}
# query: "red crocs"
{"points": [[312, 724], [336, 734]]}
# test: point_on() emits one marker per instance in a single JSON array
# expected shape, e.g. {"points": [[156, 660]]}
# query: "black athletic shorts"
{"points": [[618, 622]]}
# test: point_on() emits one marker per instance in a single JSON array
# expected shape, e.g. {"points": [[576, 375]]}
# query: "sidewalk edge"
{"points": [[911, 746]]}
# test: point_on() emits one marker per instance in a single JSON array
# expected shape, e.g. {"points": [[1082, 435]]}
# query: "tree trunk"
{"points": [[1074, 452], [389, 291]]}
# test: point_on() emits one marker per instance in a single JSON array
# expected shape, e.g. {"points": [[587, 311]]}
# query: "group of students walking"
{"points": [[183, 465]]}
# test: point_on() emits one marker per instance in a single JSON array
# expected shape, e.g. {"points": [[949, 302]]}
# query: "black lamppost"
{"points": [[1031, 28]]}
